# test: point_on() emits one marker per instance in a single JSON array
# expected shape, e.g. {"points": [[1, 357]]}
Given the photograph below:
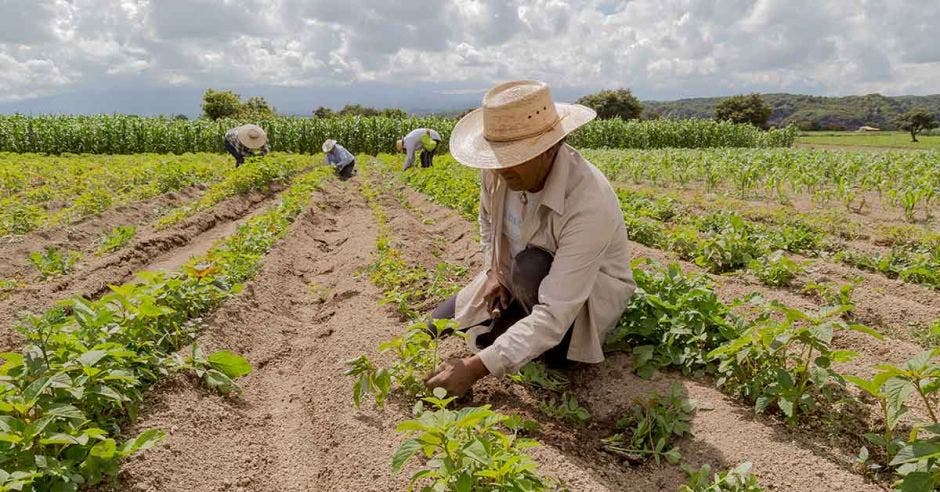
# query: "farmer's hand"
{"points": [[494, 294], [457, 375]]}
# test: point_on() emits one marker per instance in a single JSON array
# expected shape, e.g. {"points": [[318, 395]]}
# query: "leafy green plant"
{"points": [[117, 238], [884, 388], [833, 294], [673, 320], [539, 375], [7, 286], [465, 450], [650, 427], [416, 357], [730, 243], [785, 359], [219, 369], [566, 408], [776, 269], [737, 479], [53, 262]]}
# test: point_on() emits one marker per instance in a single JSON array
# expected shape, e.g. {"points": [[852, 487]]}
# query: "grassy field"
{"points": [[892, 140]]}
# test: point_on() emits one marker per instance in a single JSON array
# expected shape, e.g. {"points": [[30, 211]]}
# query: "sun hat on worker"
{"points": [[329, 144], [518, 121], [251, 136]]}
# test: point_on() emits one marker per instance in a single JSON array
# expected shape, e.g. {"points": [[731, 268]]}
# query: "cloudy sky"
{"points": [[153, 56]]}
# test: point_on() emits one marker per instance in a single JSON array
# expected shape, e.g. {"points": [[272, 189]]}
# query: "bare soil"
{"points": [[311, 308]]}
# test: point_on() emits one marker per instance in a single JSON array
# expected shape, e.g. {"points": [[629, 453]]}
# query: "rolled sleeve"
{"points": [[581, 246]]}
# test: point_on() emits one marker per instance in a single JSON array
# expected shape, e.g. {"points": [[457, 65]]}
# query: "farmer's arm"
{"points": [[563, 292]]}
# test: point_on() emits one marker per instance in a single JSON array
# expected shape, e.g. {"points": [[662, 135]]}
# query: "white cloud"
{"points": [[660, 48]]}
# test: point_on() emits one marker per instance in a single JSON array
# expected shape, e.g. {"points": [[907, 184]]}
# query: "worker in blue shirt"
{"points": [[340, 158]]}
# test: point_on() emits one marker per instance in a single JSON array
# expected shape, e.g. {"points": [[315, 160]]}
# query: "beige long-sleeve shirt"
{"points": [[590, 283]]}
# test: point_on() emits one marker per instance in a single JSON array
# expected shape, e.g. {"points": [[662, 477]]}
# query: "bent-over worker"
{"points": [[340, 158], [424, 139], [556, 274], [242, 141]]}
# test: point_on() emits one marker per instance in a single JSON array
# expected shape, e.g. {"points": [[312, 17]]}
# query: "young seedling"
{"points": [[538, 375], [117, 239], [567, 408], [53, 262], [737, 479], [650, 427]]}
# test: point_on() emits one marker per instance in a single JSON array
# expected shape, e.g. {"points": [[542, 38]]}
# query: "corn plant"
{"points": [[651, 426]]}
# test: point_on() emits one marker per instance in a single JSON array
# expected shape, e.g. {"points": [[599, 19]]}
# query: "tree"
{"points": [[917, 120], [221, 104], [749, 108], [613, 103], [323, 112], [257, 107]]}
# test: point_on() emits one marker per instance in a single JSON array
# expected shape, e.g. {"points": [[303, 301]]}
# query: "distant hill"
{"points": [[811, 112]]}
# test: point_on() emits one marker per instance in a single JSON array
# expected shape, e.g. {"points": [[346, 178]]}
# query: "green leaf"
{"points": [[92, 357], [404, 453], [864, 329], [146, 440], [918, 482], [104, 449], [786, 406], [230, 364]]}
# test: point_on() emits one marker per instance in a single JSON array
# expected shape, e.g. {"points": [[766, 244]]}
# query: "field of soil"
{"points": [[312, 307]]}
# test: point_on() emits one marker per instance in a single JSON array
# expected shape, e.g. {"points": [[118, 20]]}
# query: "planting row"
{"points": [[778, 359], [65, 396], [37, 191], [908, 181]]}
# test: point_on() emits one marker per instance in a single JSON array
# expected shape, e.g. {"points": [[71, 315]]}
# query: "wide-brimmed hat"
{"points": [[518, 121], [329, 144], [251, 136]]}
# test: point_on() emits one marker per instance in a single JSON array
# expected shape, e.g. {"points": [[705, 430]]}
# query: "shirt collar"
{"points": [[556, 185]]}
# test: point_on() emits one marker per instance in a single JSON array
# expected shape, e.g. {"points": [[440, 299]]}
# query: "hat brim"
{"points": [[471, 148], [328, 146]]}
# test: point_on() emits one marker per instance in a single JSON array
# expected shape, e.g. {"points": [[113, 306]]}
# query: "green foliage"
{"points": [[914, 266], [566, 408], [784, 360], [415, 358], [465, 450], [917, 120], [53, 262], [776, 269], [749, 108], [256, 107], [729, 243], [737, 479], [651, 426], [117, 238], [833, 294], [221, 104], [538, 375], [673, 320], [609, 104], [86, 364]]}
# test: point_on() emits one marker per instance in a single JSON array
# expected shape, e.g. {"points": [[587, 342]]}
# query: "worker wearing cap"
{"points": [[425, 139], [340, 158], [243, 141], [556, 275]]}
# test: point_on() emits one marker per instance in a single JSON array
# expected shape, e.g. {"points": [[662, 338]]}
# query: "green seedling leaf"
{"points": [[230, 364]]}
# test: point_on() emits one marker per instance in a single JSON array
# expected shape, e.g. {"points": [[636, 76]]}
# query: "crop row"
{"points": [[779, 360], [117, 134], [909, 181], [36, 191], [65, 397]]}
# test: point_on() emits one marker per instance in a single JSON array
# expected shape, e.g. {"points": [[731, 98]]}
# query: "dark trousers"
{"points": [[347, 172], [239, 158], [427, 157], [529, 268]]}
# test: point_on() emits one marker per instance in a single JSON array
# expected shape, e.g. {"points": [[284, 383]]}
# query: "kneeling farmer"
{"points": [[242, 141], [341, 159], [556, 260]]}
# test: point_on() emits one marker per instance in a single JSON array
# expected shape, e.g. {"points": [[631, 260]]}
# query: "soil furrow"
{"points": [[149, 250]]}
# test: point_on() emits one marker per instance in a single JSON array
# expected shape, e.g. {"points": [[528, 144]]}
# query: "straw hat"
{"points": [[329, 144], [518, 121], [251, 136]]}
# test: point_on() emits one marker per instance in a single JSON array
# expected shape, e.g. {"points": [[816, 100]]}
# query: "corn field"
{"points": [[121, 134]]}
